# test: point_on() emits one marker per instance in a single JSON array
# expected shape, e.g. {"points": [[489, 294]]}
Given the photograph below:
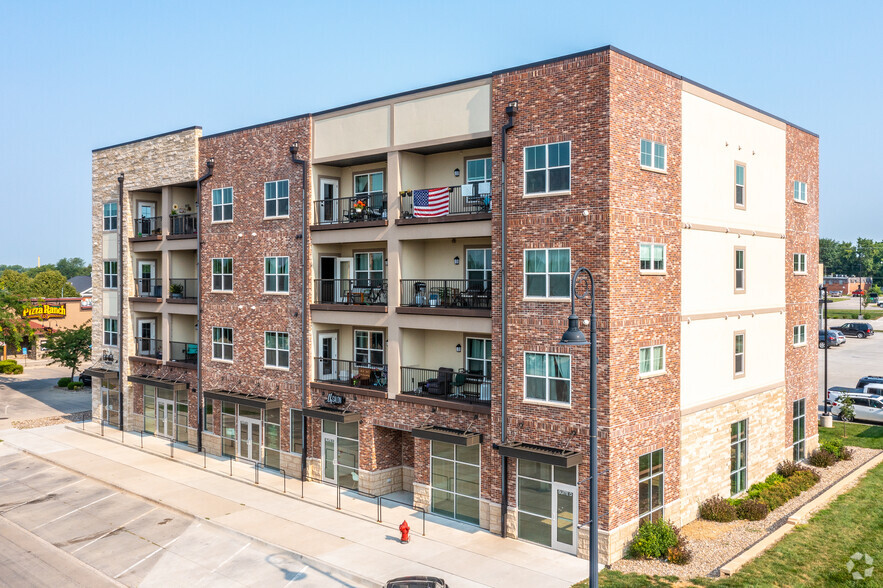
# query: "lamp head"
{"points": [[573, 336]]}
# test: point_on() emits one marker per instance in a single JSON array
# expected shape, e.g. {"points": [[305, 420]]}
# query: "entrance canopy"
{"points": [[163, 383], [101, 373], [455, 436], [337, 415], [244, 399], [562, 458]]}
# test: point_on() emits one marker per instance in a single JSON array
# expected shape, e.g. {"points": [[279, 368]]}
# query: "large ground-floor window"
{"points": [[799, 430], [110, 402], [455, 473], [547, 505], [651, 493], [165, 413], [738, 456]]}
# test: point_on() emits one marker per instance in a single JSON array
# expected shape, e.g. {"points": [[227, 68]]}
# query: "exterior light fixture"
{"points": [[459, 348], [456, 172], [456, 260]]}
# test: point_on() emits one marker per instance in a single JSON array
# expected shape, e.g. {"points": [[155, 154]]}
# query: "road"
{"points": [[33, 395], [58, 528]]}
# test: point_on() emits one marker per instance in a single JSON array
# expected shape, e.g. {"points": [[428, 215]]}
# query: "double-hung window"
{"points": [[222, 204], [653, 155], [276, 349], [222, 274], [478, 170], [651, 360], [369, 347], [369, 269], [547, 168], [800, 191], [800, 263], [110, 216], [650, 486], [799, 335], [111, 277], [478, 268], [739, 354], [740, 185], [110, 332], [368, 188], [798, 436], [276, 274], [739, 265], [222, 343], [276, 199], [478, 357], [547, 377], [738, 456], [652, 257], [547, 273]]}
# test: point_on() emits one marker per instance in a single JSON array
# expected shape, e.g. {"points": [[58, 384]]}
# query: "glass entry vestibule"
{"points": [[250, 427], [340, 453], [548, 500], [166, 412]]}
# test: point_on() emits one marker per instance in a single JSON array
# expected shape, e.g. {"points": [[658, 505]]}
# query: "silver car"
{"points": [[867, 407], [841, 338]]}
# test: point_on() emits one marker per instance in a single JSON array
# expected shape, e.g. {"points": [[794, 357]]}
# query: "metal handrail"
{"points": [[351, 209], [458, 204], [364, 291]]}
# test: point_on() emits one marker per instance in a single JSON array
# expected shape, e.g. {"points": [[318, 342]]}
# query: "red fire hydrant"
{"points": [[405, 529]]}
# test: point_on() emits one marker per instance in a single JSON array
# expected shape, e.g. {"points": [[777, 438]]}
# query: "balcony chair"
{"points": [[440, 386], [457, 385]]}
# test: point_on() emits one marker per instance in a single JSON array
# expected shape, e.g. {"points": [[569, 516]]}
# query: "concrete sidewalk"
{"points": [[350, 540]]}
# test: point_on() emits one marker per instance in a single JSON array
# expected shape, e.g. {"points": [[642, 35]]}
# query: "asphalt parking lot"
{"points": [[852, 360], [32, 395], [130, 541]]}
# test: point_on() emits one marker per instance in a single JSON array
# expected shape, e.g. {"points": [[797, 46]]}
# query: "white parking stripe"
{"points": [[28, 476], [240, 550], [43, 496], [129, 522], [143, 559], [297, 576], [73, 511]]}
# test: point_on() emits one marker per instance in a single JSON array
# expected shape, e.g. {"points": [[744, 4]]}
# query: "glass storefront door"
{"points": [[165, 417], [547, 505], [340, 453], [110, 403], [249, 438]]}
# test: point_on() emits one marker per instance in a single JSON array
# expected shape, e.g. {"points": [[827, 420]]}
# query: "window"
{"points": [[295, 426], [110, 216], [800, 191], [738, 456], [798, 435], [478, 170], [547, 377], [222, 204], [652, 257], [547, 168], [208, 418], [739, 264], [740, 185], [276, 274], [651, 360], [276, 349], [110, 332], [547, 273], [369, 347], [455, 480], [546, 496], [652, 155], [222, 343], [369, 269], [478, 268], [650, 486], [222, 274], [739, 354], [799, 337], [111, 279], [478, 356], [275, 199], [800, 263], [369, 189]]}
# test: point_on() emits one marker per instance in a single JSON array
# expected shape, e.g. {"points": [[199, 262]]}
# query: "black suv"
{"points": [[860, 330], [869, 380]]}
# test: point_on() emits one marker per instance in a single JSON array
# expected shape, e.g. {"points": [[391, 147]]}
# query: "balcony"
{"points": [[183, 225], [366, 210], [446, 384], [183, 290], [182, 352], [466, 202], [148, 288], [475, 294], [350, 292], [151, 348], [352, 374], [147, 228]]}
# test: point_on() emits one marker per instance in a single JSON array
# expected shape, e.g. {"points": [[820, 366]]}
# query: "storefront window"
{"points": [[455, 480]]}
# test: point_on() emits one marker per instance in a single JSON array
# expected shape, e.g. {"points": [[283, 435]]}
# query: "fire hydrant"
{"points": [[405, 529]]}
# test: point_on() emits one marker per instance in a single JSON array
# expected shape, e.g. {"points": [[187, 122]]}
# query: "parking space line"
{"points": [[42, 496], [123, 526], [240, 550], [29, 476], [296, 576], [143, 559], [75, 510]]}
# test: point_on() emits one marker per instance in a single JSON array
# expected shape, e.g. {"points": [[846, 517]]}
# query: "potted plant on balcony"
{"points": [[176, 290], [174, 210]]}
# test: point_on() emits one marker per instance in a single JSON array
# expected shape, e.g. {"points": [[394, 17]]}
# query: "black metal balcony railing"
{"points": [[369, 292], [148, 226], [183, 352], [351, 373], [183, 224], [355, 209], [469, 199], [148, 288], [446, 384], [183, 288], [447, 293], [148, 347]]}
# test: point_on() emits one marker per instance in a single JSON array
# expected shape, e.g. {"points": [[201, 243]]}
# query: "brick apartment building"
{"points": [[846, 285], [393, 317]]}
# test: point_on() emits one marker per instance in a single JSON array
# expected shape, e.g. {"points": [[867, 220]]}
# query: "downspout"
{"points": [[120, 285], [511, 110], [303, 309], [210, 164]]}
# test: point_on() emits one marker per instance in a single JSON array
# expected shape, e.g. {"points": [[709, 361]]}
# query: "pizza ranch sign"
{"points": [[44, 312]]}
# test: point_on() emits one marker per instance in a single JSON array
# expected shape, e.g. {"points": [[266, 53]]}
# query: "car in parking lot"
{"points": [[860, 330], [417, 582], [86, 379], [867, 407], [834, 339]]}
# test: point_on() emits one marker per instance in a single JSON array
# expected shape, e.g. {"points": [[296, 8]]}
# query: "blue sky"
{"points": [[80, 75]]}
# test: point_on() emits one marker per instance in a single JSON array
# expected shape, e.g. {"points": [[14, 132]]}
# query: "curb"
{"points": [[311, 561], [800, 517]]}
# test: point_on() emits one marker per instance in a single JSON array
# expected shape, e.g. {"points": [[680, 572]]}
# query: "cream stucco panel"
{"points": [[453, 114], [365, 130], [110, 303], [109, 245]]}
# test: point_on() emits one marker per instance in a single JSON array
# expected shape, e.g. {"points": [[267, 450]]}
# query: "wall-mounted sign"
{"points": [[85, 303], [334, 399], [44, 312]]}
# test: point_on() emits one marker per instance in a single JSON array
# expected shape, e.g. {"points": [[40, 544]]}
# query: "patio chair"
{"points": [[458, 383], [441, 385]]}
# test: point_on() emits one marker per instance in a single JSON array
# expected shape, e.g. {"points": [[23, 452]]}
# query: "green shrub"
{"points": [[7, 362], [17, 369], [777, 495], [834, 446], [10, 366], [74, 385], [654, 540], [63, 382], [755, 489], [735, 501], [752, 510], [787, 468], [821, 458], [774, 478], [803, 480], [717, 509]]}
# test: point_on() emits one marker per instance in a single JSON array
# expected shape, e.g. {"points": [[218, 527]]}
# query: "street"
{"points": [[32, 395]]}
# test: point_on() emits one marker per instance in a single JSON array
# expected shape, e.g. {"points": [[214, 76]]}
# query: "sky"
{"points": [[76, 76]]}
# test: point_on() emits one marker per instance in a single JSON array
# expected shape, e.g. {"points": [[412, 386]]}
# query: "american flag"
{"points": [[431, 202]]}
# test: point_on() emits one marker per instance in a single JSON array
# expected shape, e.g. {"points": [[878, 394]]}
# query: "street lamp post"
{"points": [[574, 336], [823, 292]]}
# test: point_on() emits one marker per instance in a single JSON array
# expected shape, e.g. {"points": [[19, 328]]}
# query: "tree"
{"points": [[75, 266], [49, 284], [33, 271], [16, 284], [847, 413], [71, 347], [14, 330]]}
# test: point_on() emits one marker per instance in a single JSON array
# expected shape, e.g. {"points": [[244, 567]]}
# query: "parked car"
{"points": [[867, 407], [87, 380], [860, 330], [858, 292], [862, 382], [880, 303], [416, 582], [870, 388], [834, 339]]}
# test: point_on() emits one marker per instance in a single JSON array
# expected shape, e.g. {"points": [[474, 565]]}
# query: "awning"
{"points": [[336, 415], [101, 373], [244, 399], [158, 382], [563, 458], [447, 435]]}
